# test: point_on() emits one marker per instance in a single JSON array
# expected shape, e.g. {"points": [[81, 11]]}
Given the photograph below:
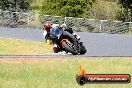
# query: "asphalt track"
{"points": [[97, 44]]}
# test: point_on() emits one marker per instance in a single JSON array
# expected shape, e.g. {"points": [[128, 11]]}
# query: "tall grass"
{"points": [[61, 73]]}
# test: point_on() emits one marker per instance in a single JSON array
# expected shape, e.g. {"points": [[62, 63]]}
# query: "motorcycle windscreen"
{"points": [[56, 32]]}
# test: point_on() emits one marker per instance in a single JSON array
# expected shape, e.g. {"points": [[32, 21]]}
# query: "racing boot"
{"points": [[56, 48]]}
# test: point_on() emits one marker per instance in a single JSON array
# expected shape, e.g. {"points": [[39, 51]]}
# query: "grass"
{"points": [[61, 73], [14, 46], [53, 72]]}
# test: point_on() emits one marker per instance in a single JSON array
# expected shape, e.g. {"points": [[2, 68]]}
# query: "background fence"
{"points": [[31, 20]]}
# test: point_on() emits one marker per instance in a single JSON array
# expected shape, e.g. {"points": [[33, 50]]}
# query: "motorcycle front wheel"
{"points": [[69, 48], [83, 50]]}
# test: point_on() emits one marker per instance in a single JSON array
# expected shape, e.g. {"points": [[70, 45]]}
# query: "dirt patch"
{"points": [[58, 59], [28, 60]]}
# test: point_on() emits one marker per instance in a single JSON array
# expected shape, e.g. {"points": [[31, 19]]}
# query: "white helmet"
{"points": [[55, 25]]}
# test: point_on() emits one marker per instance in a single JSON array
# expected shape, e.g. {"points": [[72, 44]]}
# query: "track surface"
{"points": [[97, 44]]}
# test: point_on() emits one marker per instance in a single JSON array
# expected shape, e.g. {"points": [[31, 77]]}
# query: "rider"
{"points": [[65, 28], [48, 27]]}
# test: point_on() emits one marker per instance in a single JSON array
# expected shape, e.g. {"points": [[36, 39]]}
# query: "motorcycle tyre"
{"points": [[67, 47], [82, 50]]}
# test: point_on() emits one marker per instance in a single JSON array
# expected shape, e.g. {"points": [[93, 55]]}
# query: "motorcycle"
{"points": [[67, 42]]}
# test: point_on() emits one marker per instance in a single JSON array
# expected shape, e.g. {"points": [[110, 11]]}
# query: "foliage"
{"points": [[14, 5], [104, 10], [69, 8], [99, 9], [36, 5], [126, 3], [4, 4], [126, 15]]}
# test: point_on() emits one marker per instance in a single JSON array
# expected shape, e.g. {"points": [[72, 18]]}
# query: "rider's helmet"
{"points": [[47, 26]]}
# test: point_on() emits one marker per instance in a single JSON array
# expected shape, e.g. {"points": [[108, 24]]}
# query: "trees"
{"points": [[126, 3], [127, 13], [98, 9], [14, 5], [4, 4], [23, 4], [104, 10], [73, 8]]}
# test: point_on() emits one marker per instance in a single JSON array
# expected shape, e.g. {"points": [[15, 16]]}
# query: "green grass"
{"points": [[13, 46], [61, 73]]}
